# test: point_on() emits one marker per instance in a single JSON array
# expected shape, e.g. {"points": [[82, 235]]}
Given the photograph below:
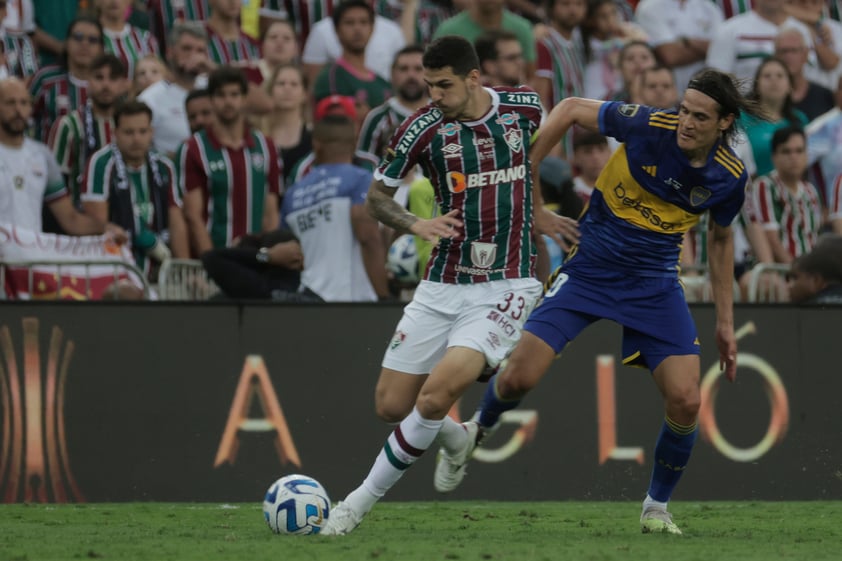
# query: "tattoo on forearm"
{"points": [[390, 213]]}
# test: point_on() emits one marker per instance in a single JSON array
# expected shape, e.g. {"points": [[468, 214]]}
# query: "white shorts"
{"points": [[486, 317]]}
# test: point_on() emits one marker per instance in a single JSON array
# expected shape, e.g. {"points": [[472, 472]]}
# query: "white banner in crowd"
{"points": [[49, 266]]}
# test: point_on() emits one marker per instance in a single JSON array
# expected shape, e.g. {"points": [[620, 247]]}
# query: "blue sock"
{"points": [[672, 452], [493, 405]]}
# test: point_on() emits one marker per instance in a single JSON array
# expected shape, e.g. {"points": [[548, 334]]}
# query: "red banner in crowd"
{"points": [[40, 266]]}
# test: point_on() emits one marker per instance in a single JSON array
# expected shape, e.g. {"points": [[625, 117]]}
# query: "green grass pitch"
{"points": [[426, 531]]}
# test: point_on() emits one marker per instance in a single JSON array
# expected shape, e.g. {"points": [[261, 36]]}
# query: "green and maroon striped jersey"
{"points": [[130, 45], [72, 145], [221, 51], [234, 183], [55, 93], [99, 181], [379, 126], [482, 169], [795, 215], [562, 62]]}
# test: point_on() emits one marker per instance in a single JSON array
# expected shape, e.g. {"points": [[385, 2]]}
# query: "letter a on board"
{"points": [[254, 381]]}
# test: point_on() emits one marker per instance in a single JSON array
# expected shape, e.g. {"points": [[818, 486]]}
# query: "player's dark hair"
{"points": [[454, 51], [486, 44], [346, 5], [115, 65], [225, 75], [129, 108], [783, 135], [195, 94], [788, 110], [724, 89]]}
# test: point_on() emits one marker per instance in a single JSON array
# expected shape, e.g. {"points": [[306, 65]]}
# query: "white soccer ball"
{"points": [[296, 504], [402, 259]]}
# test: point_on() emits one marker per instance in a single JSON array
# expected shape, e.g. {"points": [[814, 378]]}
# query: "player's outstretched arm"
{"points": [[382, 206], [571, 111], [721, 261]]}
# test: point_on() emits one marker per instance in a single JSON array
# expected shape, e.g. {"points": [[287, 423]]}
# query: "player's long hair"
{"points": [[454, 51], [725, 90]]}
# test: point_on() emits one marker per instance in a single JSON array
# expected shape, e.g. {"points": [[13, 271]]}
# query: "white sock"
{"points": [[649, 502], [404, 446], [452, 436], [361, 499]]}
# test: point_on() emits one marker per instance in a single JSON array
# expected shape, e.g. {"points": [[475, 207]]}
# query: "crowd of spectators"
{"points": [[185, 125]]}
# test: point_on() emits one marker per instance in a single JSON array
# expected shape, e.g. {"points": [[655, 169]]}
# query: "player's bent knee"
{"points": [[684, 405], [391, 412], [433, 405]]}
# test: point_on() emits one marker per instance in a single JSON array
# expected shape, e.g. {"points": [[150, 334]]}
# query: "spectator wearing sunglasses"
{"points": [[60, 89]]}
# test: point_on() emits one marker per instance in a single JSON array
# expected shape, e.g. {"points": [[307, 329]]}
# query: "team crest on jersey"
{"points": [[699, 195], [483, 254], [18, 181], [507, 119], [452, 150], [514, 138], [450, 129], [628, 109], [257, 161]]}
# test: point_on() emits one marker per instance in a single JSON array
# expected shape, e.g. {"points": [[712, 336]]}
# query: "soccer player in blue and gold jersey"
{"points": [[672, 167]]}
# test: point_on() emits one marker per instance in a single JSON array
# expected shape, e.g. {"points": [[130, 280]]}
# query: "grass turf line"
{"points": [[426, 531]]}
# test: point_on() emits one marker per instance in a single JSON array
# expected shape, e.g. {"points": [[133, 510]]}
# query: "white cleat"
{"points": [[342, 520], [657, 521], [451, 469]]}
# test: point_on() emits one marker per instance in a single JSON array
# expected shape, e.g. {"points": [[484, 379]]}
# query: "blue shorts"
{"points": [[653, 312]]}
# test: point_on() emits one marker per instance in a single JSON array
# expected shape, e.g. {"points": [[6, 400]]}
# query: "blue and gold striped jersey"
{"points": [[649, 195]]}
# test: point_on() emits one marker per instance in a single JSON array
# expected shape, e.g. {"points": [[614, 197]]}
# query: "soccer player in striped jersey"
{"points": [[473, 143], [787, 207], [410, 95], [671, 169], [229, 172], [130, 185], [127, 42], [58, 90], [79, 134]]}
